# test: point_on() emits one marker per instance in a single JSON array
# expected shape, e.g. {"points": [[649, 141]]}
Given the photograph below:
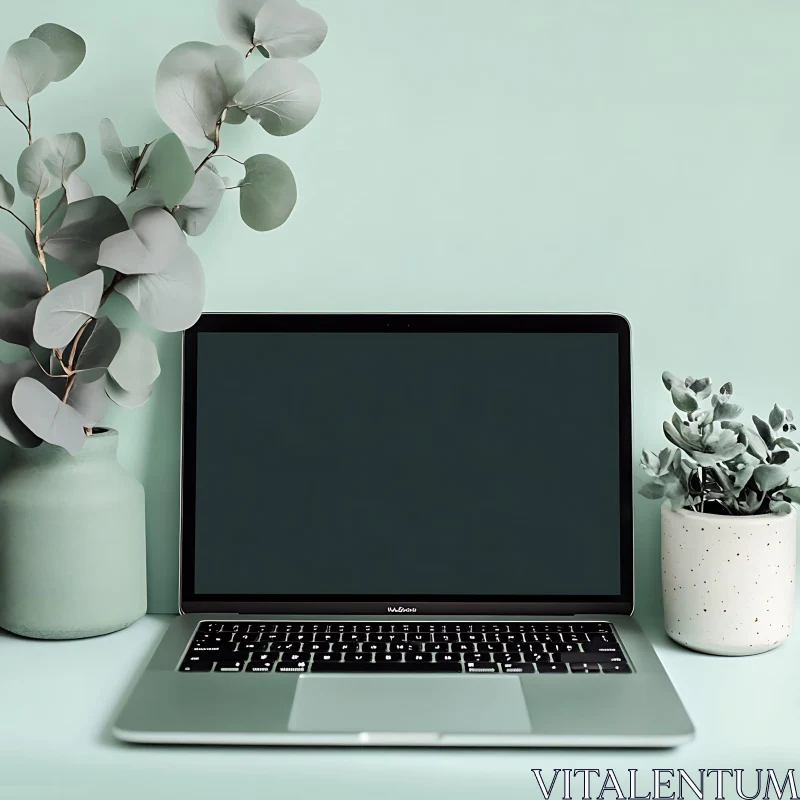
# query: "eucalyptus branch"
{"points": [[111, 286], [21, 221], [70, 383], [39, 364], [71, 360], [216, 142], [18, 119], [29, 126], [250, 51], [225, 155], [37, 237]]}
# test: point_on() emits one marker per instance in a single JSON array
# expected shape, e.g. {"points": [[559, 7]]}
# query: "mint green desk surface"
{"points": [[57, 700]]}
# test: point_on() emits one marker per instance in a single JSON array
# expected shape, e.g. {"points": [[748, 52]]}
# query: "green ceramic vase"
{"points": [[72, 542]]}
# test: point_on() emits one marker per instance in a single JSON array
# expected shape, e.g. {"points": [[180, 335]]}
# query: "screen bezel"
{"points": [[192, 602]]}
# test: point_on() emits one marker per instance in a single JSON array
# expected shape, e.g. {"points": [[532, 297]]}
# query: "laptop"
{"points": [[406, 529]]}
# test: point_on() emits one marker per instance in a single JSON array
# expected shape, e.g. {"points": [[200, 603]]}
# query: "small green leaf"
{"points": [[780, 507], [764, 431], [121, 159], [68, 48], [667, 378], [727, 411], [29, 67], [792, 492], [268, 193], [701, 387], [67, 153], [652, 491], [776, 417], [756, 445], [683, 398], [7, 193], [769, 476], [165, 168], [780, 456], [33, 176], [235, 116], [782, 441], [63, 310], [726, 389]]}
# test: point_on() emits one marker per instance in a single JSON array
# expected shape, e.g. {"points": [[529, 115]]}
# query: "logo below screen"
{"points": [[401, 610]]}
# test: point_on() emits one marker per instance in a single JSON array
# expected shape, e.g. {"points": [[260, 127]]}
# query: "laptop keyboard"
{"points": [[386, 647]]}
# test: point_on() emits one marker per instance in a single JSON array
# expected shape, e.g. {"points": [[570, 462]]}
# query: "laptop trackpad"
{"points": [[362, 703]]}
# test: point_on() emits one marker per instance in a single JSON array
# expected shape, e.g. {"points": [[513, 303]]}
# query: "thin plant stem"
{"points": [[21, 221], [215, 148], [30, 124], [111, 286], [225, 155], [57, 206], [18, 119]]}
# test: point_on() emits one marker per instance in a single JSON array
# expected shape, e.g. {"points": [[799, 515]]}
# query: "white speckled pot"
{"points": [[729, 582]]}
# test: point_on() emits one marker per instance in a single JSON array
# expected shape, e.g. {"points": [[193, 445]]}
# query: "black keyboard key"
{"points": [[435, 647], [374, 647], [445, 637], [322, 647], [477, 656], [385, 658], [285, 647], [245, 637], [404, 647], [448, 658], [261, 627], [488, 627], [263, 657], [259, 666], [585, 668], [229, 666], [209, 626], [593, 658], [356, 658], [275, 636], [418, 658], [591, 627], [354, 637], [616, 668], [463, 647], [328, 657], [253, 647], [489, 647], [212, 650], [518, 668], [391, 667], [197, 666], [234, 627], [536, 658], [286, 627], [291, 666], [326, 637], [507, 658], [471, 637], [341, 647], [478, 667], [548, 668]]}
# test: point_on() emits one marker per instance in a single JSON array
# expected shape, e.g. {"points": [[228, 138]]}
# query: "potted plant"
{"points": [[728, 525], [72, 559]]}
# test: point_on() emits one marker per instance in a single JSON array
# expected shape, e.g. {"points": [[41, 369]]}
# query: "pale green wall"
{"points": [[524, 155]]}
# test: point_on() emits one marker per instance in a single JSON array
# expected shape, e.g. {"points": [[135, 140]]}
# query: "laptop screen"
{"points": [[407, 465]]}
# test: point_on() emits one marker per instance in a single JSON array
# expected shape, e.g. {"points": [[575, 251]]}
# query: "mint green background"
{"points": [[518, 155]]}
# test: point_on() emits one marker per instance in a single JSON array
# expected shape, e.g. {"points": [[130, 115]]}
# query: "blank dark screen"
{"points": [[407, 465]]}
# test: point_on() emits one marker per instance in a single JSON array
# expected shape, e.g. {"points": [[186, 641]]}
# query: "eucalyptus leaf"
{"points": [[90, 401], [68, 48], [237, 20], [166, 169], [102, 344], [769, 476], [782, 441], [29, 67], [126, 399], [235, 116], [77, 189], [267, 193], [200, 205], [86, 225], [63, 310], [20, 279], [285, 29], [166, 283], [282, 95], [121, 159], [11, 427], [195, 82], [16, 324], [151, 244], [138, 201], [33, 175], [67, 153], [44, 413], [7, 193], [135, 366]]}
